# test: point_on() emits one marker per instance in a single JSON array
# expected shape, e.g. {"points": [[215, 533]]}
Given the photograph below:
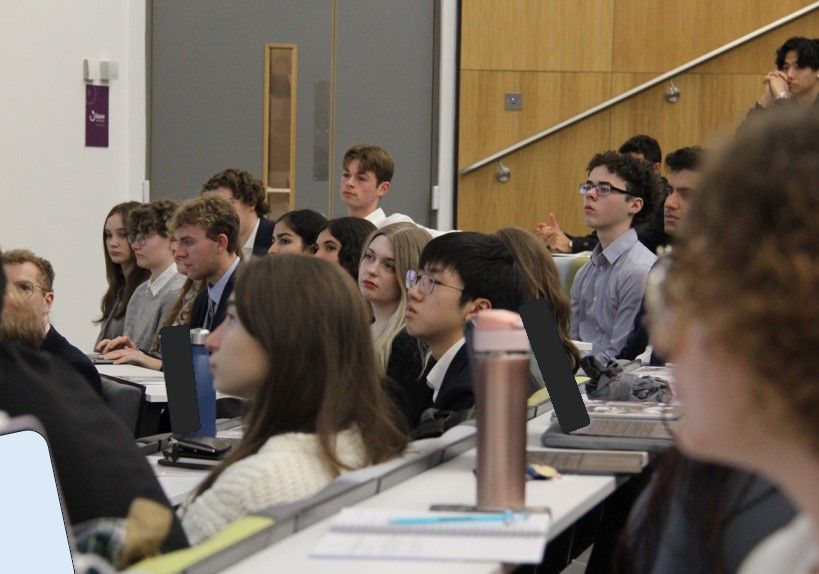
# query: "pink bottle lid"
{"points": [[499, 330]]}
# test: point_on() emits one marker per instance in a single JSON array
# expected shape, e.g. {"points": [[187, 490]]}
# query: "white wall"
{"points": [[54, 192]]}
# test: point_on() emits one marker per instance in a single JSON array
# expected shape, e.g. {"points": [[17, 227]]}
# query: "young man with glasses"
{"points": [[620, 192], [33, 277], [460, 274], [152, 301]]}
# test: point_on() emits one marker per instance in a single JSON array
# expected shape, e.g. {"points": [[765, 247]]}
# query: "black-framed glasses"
{"points": [[26, 288], [139, 239], [426, 282], [603, 188]]}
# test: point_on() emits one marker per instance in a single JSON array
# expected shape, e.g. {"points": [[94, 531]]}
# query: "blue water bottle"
{"points": [[205, 393]]}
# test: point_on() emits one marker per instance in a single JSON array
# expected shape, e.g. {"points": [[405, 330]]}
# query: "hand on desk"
{"points": [[121, 342], [551, 234], [130, 356]]}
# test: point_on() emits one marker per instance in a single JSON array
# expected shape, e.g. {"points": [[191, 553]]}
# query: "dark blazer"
{"points": [[264, 237], [59, 346], [200, 306], [456, 392], [407, 378], [100, 468]]}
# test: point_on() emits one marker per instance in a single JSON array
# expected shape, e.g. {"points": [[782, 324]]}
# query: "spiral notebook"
{"points": [[360, 533]]}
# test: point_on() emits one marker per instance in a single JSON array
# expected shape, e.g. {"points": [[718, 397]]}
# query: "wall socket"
{"points": [[513, 102]]}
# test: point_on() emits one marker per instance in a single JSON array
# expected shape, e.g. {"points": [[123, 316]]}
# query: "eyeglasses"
{"points": [[139, 239], [26, 288], [603, 188], [426, 282]]}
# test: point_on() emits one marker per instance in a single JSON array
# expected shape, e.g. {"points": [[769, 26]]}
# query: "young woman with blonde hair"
{"points": [[388, 254]]}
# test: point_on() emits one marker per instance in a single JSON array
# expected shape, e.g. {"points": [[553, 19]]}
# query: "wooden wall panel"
{"points": [[652, 36], [661, 35], [545, 178], [710, 106], [757, 57], [546, 35], [548, 98]]}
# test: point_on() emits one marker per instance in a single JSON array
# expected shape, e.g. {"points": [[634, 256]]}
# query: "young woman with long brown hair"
{"points": [[296, 343]]}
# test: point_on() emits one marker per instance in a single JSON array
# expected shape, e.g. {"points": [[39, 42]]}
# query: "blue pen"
{"points": [[507, 517]]}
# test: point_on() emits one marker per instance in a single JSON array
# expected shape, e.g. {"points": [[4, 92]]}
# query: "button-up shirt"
{"points": [[607, 293]]}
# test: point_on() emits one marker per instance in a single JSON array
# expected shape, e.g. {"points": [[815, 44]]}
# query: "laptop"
{"points": [[34, 532]]}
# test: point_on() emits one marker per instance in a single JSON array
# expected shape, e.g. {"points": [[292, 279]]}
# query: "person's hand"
{"points": [[778, 82], [551, 234], [121, 342], [774, 84], [129, 356]]}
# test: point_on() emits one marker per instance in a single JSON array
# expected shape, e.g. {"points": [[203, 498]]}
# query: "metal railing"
{"points": [[641, 88]]}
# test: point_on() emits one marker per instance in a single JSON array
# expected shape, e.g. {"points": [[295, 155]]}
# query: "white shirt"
{"points": [[791, 549], [247, 248], [381, 219], [158, 283], [436, 374]]}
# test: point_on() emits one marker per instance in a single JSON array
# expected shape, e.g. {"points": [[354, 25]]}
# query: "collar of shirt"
{"points": [[377, 217], [436, 375], [163, 278], [215, 291], [614, 251], [247, 248]]}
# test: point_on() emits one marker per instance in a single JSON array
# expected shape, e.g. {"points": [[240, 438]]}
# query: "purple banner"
{"points": [[96, 116]]}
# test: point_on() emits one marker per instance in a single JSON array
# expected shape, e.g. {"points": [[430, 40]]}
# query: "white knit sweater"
{"points": [[287, 468]]}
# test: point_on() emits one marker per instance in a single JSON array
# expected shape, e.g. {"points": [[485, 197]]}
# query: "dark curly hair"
{"points": [[243, 186], [645, 145], [151, 217], [746, 264], [641, 180]]}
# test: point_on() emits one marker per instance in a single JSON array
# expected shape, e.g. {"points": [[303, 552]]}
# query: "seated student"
{"points": [[620, 192], [297, 345], [296, 231], [248, 197], [388, 254], [341, 241], [795, 81], [366, 178], [121, 271], [33, 276], [460, 274], [151, 303], [541, 281], [206, 230], [652, 234], [737, 315], [684, 167], [100, 469]]}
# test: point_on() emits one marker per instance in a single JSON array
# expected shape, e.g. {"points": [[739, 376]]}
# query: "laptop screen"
{"points": [[180, 383], [33, 526]]}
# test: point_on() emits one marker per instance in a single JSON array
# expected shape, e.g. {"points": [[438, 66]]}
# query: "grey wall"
{"points": [[206, 90]]}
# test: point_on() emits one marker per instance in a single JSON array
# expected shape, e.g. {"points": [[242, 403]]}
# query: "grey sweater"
{"points": [[147, 312]]}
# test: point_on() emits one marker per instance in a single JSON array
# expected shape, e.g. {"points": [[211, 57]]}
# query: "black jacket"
{"points": [[100, 469], [59, 346]]}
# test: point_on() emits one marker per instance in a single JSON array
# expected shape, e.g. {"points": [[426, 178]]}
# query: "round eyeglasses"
{"points": [[426, 282]]}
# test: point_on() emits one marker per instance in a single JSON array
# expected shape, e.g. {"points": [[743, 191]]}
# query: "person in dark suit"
{"points": [[461, 274], [247, 196], [33, 277], [100, 469], [206, 232]]}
